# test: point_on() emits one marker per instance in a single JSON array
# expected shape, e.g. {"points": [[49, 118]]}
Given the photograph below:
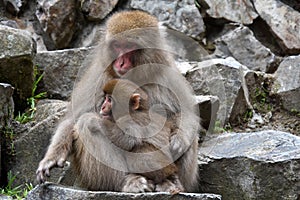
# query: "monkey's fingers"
{"points": [[40, 177], [175, 191], [147, 188]]}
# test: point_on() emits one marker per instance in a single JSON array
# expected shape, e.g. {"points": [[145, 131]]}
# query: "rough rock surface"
{"points": [[182, 16], [287, 84], [14, 6], [283, 21], [235, 11], [96, 10], [35, 135], [17, 50], [241, 44], [6, 104], [60, 70], [58, 23], [219, 77], [6, 115], [259, 165], [55, 192]]}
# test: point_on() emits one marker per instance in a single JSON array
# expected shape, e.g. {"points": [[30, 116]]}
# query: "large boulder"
{"points": [[31, 142], [6, 115], [222, 78], [60, 70], [58, 20], [240, 44], [258, 165], [283, 22], [17, 50], [287, 83]]}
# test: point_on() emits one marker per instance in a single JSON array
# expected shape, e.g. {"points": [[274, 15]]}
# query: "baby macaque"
{"points": [[126, 105]]}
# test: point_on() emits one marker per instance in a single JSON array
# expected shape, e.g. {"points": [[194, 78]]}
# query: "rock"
{"points": [[219, 77], [235, 11], [6, 115], [48, 107], [182, 16], [241, 44], [17, 50], [184, 67], [283, 22], [259, 165], [60, 70], [208, 107], [31, 144], [6, 105], [57, 19], [90, 36], [55, 192], [14, 6], [287, 84], [96, 10], [4, 197]]}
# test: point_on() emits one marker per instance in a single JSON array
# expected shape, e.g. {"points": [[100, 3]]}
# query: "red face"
{"points": [[106, 108], [125, 53]]}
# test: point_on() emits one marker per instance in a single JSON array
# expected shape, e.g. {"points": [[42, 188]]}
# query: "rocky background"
{"points": [[242, 59]]}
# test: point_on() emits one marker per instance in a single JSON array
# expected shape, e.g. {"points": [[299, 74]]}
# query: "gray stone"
{"points": [[241, 44], [287, 84], [31, 144], [283, 21], [14, 6], [259, 165], [6, 115], [218, 77], [57, 18], [48, 107], [60, 70], [91, 35], [96, 10], [56, 192], [17, 50], [4, 197], [6, 105], [208, 108], [235, 11], [182, 16]]}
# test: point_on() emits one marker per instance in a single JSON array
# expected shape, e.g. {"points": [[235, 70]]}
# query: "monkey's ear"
{"points": [[135, 101]]}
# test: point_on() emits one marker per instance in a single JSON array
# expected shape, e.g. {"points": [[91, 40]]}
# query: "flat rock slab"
{"points": [[259, 165], [53, 192]]}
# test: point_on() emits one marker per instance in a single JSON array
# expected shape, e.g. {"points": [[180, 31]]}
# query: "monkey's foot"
{"points": [[173, 187], [136, 184]]}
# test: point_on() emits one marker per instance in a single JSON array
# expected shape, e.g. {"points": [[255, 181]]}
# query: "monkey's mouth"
{"points": [[107, 116]]}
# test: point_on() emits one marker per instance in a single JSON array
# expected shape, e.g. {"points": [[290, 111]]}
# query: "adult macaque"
{"points": [[142, 143], [134, 48]]}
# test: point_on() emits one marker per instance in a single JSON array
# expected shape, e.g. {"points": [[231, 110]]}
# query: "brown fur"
{"points": [[163, 165], [129, 20]]}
